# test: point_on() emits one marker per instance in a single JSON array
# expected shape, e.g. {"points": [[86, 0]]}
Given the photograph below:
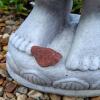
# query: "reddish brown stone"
{"points": [[2, 79], [45, 56], [9, 95], [30, 99], [4, 83], [10, 87], [3, 66], [95, 98]]}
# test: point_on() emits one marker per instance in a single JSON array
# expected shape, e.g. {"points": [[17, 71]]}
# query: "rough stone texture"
{"points": [[13, 99], [5, 39], [30, 98], [2, 79], [3, 65], [45, 56], [1, 91], [9, 95], [35, 95], [22, 97], [72, 98], [9, 22], [31, 93], [10, 87], [1, 98], [82, 98], [46, 97], [22, 90], [3, 73], [55, 97], [95, 98]]}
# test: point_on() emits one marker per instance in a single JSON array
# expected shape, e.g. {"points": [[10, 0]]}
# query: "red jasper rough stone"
{"points": [[45, 56], [10, 87]]}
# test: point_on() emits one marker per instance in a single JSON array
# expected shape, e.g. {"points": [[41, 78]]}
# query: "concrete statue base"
{"points": [[55, 52]]}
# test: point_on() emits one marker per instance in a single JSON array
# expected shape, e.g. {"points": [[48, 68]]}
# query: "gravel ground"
{"points": [[10, 89]]}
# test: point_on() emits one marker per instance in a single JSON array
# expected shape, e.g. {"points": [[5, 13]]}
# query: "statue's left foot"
{"points": [[85, 51], [45, 56]]}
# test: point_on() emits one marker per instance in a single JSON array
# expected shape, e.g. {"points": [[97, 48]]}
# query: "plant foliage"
{"points": [[19, 6], [77, 6]]}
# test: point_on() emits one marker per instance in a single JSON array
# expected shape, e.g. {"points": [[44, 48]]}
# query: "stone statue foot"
{"points": [[23, 67], [85, 51], [53, 79], [83, 57]]}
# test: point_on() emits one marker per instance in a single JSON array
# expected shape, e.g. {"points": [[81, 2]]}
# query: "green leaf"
{"points": [[1, 4]]}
